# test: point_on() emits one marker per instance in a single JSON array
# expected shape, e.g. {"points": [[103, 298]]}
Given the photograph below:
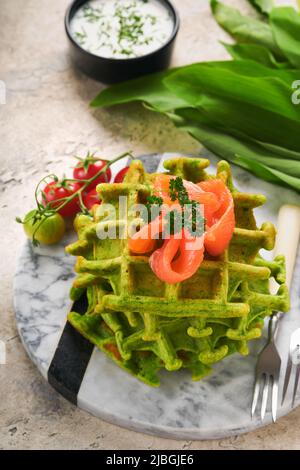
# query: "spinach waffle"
{"points": [[146, 325]]}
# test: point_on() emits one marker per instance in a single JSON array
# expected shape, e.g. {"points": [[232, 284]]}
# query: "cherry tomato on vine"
{"points": [[89, 167], [121, 175], [46, 230], [91, 198], [54, 191]]}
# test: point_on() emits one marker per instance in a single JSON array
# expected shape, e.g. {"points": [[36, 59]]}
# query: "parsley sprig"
{"points": [[178, 192], [190, 217]]}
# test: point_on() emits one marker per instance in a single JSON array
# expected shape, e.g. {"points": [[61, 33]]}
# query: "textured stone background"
{"points": [[45, 121]]}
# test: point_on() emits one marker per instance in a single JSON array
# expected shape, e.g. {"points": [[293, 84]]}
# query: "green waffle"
{"points": [[146, 325]]}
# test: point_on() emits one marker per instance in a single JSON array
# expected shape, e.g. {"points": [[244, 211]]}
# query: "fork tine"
{"points": [[287, 378], [296, 384], [274, 397], [255, 395], [265, 397]]}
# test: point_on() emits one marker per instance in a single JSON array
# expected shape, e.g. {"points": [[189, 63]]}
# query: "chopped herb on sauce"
{"points": [[122, 28]]}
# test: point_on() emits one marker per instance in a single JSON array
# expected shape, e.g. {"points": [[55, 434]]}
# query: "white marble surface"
{"points": [[215, 407], [41, 300]]}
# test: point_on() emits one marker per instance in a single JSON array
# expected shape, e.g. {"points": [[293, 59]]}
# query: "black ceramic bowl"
{"points": [[109, 70]]}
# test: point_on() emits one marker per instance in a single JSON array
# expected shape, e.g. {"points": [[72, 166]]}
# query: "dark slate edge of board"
{"points": [[71, 358]]}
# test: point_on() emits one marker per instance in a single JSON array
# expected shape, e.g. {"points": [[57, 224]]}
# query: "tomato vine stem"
{"points": [[44, 212]]}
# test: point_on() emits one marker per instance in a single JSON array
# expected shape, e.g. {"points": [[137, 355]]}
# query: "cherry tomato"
{"points": [[55, 191], [88, 168], [121, 175], [91, 198], [49, 230]]}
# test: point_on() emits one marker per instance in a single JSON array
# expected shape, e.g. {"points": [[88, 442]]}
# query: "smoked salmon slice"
{"points": [[220, 224], [144, 240], [180, 256], [191, 252]]}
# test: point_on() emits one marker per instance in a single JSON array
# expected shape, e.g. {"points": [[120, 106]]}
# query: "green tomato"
{"points": [[50, 229]]}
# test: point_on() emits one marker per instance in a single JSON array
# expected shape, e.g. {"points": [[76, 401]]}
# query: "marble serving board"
{"points": [[215, 407]]}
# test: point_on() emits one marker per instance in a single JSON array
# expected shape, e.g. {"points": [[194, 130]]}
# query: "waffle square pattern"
{"points": [[146, 325]]}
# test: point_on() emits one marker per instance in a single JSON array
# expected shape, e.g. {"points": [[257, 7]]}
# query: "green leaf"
{"points": [[231, 149], [254, 52], [281, 151], [290, 167], [244, 28], [150, 88], [263, 6], [285, 24], [254, 106], [202, 117], [267, 173], [221, 143]]}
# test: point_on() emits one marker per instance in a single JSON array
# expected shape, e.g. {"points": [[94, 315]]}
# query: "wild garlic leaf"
{"points": [[255, 52], [263, 6], [285, 25], [153, 90], [239, 83], [242, 153], [244, 28], [290, 167], [221, 141], [244, 122], [150, 89], [238, 107], [281, 151], [267, 173]]}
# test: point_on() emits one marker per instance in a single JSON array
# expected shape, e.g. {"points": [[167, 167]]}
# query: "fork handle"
{"points": [[288, 232], [288, 237], [273, 326]]}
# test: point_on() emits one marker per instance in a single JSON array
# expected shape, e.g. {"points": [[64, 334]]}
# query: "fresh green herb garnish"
{"points": [[174, 225], [193, 219], [178, 192], [153, 206], [81, 36], [92, 14], [154, 200], [132, 27], [189, 217]]}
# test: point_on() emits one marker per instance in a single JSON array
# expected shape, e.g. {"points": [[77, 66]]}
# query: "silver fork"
{"points": [[267, 371], [269, 361], [293, 360]]}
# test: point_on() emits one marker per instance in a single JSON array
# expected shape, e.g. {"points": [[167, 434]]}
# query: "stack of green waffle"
{"points": [[146, 325]]}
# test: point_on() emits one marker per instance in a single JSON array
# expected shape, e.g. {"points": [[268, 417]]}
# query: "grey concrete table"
{"points": [[46, 119]]}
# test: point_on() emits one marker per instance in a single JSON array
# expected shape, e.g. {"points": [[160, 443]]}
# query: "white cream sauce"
{"points": [[122, 29]]}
